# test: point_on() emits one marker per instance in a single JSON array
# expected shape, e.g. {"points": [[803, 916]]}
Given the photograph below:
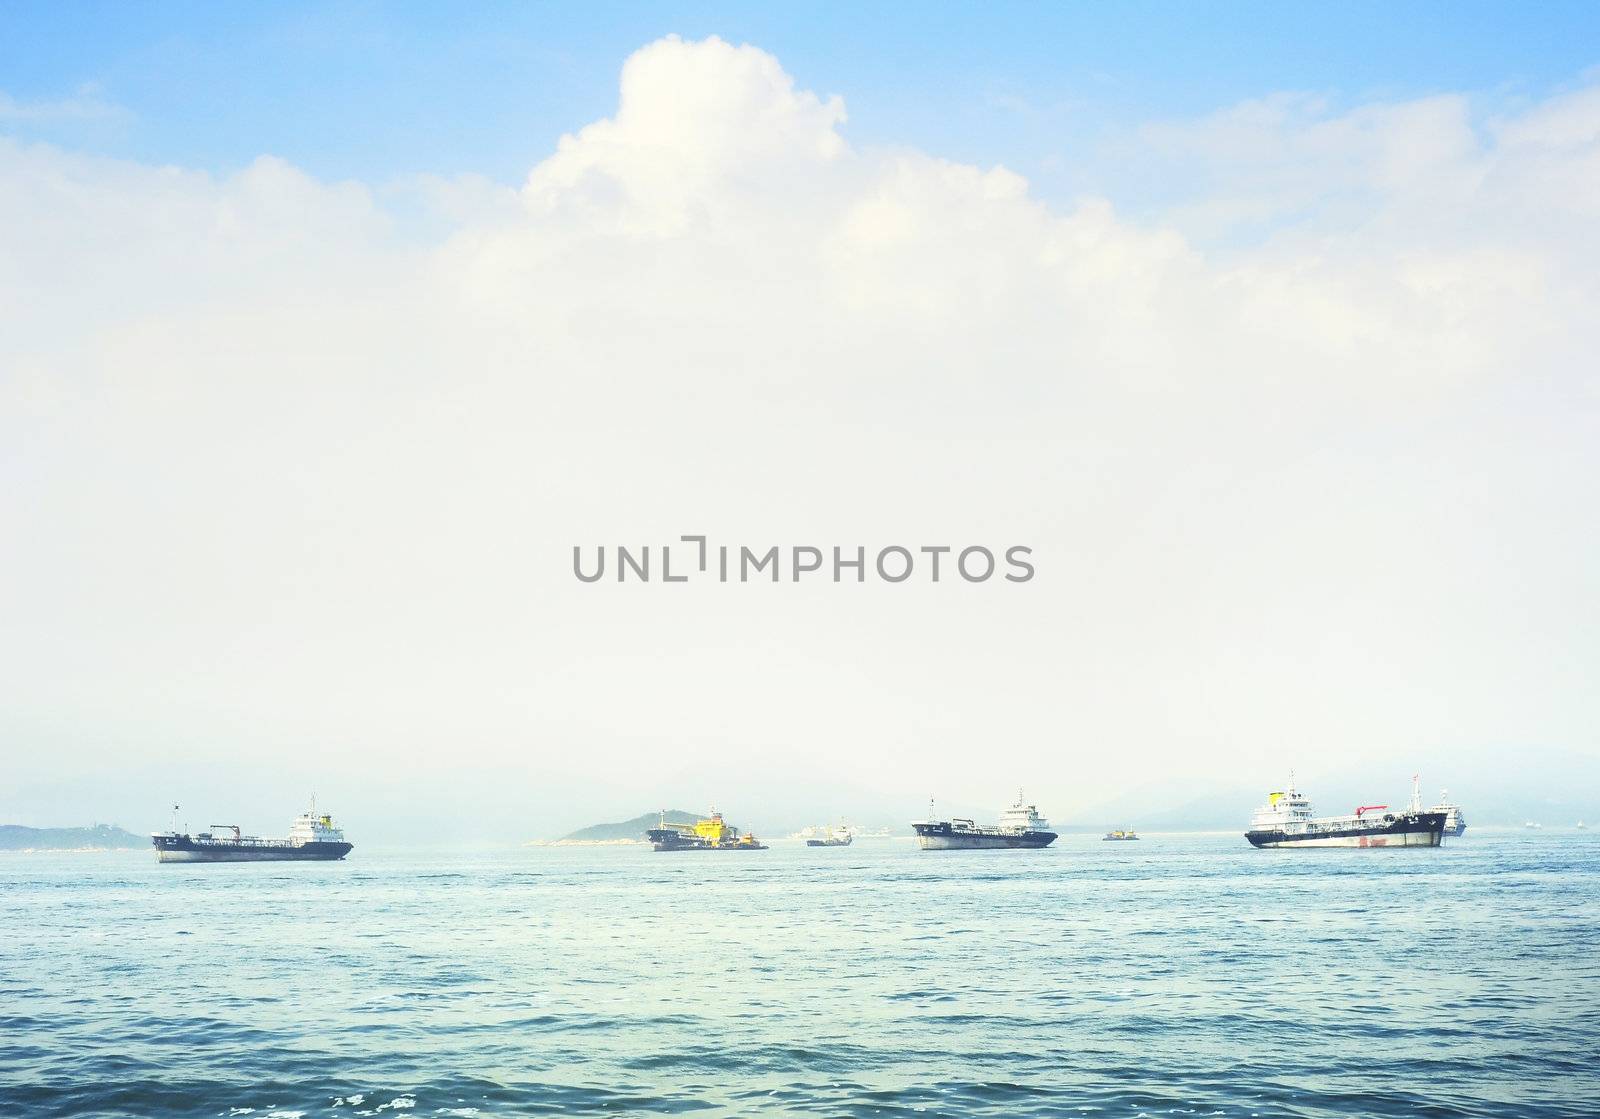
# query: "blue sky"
{"points": [[1281, 360], [372, 90]]}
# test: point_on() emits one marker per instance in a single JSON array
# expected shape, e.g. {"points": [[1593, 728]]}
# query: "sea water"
{"points": [[1177, 975]]}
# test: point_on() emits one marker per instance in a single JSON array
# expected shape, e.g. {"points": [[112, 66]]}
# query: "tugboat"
{"points": [[1455, 821], [710, 834], [840, 836], [1286, 821], [1120, 835], [1020, 826], [312, 837]]}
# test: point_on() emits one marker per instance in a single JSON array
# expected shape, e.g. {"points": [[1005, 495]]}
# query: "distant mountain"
{"points": [[100, 837], [627, 829]]}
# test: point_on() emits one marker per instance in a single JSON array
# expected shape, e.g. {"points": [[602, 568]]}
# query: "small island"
{"points": [[97, 837], [626, 831]]}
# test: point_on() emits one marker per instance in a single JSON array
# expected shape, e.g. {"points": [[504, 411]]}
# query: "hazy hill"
{"points": [[15, 837], [626, 829]]}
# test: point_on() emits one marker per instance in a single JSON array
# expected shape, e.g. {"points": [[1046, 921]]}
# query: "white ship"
{"points": [[1020, 826], [1286, 820], [1455, 821]]}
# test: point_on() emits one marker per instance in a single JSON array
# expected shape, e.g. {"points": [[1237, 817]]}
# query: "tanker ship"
{"points": [[312, 837], [710, 834], [840, 836], [1286, 821], [1020, 826]]}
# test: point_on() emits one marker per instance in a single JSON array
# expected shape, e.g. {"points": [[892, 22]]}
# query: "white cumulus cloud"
{"points": [[1308, 455]]}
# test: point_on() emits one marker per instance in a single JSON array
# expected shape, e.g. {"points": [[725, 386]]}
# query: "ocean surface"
{"points": [[1179, 975]]}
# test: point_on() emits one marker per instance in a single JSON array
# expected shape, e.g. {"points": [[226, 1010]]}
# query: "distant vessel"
{"points": [[1581, 825], [312, 836], [1020, 826], [1532, 826], [840, 836], [710, 834], [1286, 821], [1120, 835], [1455, 821]]}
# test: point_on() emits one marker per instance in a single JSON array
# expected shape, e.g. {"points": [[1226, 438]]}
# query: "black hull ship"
{"points": [[1020, 826], [840, 836], [710, 834], [312, 838], [1286, 821]]}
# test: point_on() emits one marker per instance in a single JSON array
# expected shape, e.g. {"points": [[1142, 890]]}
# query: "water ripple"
{"points": [[1191, 978]]}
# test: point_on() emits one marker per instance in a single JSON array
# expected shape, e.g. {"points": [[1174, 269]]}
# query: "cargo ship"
{"points": [[311, 837], [1121, 835], [840, 836], [1020, 826], [710, 834], [1286, 820]]}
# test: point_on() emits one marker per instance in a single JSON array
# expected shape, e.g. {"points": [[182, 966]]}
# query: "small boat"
{"points": [[1533, 825], [1120, 835], [840, 836], [1582, 825]]}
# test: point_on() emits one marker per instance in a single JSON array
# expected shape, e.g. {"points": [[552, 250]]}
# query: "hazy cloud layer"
{"points": [[1309, 463]]}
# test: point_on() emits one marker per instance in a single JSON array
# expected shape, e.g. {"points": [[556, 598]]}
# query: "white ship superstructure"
{"points": [[1286, 820], [1455, 821], [308, 827]]}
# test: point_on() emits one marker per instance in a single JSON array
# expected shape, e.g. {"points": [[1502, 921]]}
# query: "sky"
{"points": [[328, 331]]}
